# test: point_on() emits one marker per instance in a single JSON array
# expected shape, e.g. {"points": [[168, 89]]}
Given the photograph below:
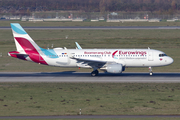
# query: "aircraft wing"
{"points": [[95, 59], [94, 62]]}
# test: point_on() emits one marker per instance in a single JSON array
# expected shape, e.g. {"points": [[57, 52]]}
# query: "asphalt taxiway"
{"points": [[72, 76]]}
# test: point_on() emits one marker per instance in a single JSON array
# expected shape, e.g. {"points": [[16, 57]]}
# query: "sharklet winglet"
{"points": [[78, 46]]}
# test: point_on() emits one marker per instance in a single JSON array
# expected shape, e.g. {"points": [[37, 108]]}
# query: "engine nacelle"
{"points": [[115, 68]]}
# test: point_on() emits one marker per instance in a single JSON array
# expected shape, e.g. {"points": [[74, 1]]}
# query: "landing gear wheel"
{"points": [[94, 73], [150, 71]]}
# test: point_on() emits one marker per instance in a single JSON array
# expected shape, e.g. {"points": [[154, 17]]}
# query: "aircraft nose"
{"points": [[170, 60]]}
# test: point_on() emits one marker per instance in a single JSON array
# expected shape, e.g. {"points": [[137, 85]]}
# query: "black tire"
{"points": [[94, 73]]}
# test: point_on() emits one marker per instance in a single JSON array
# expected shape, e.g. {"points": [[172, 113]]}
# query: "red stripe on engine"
{"points": [[30, 50]]}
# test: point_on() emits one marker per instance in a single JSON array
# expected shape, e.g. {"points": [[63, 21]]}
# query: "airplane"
{"points": [[108, 60]]}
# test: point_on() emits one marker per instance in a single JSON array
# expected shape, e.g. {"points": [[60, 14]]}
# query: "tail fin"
{"points": [[22, 40], [27, 49]]}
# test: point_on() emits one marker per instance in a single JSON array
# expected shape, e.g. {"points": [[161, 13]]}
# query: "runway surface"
{"points": [[96, 28], [74, 77]]}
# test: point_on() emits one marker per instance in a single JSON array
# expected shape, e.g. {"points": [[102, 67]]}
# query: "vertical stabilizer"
{"points": [[27, 49], [22, 40]]}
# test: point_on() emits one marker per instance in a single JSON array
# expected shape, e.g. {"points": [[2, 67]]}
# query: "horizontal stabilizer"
{"points": [[16, 54], [20, 54]]}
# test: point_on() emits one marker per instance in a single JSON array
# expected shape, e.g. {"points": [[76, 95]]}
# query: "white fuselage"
{"points": [[126, 57]]}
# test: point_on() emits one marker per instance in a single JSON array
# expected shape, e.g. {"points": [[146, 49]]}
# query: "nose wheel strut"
{"points": [[150, 71]]}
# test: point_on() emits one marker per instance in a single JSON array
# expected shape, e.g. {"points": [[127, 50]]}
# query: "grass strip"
{"points": [[26, 99]]}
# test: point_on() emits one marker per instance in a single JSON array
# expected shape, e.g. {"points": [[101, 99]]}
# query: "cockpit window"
{"points": [[162, 55]]}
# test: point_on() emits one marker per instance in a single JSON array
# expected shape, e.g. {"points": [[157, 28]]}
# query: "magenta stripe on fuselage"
{"points": [[30, 50]]}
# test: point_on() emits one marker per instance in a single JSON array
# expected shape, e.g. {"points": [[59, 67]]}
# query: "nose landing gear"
{"points": [[150, 71]]}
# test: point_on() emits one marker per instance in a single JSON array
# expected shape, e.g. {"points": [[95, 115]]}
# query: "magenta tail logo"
{"points": [[30, 50]]}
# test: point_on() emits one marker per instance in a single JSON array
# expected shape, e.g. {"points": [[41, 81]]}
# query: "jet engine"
{"points": [[115, 68]]}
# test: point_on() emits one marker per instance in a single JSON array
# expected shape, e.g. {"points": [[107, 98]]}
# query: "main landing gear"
{"points": [[94, 73], [150, 71]]}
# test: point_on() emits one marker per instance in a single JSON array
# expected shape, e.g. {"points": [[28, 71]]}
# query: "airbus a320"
{"points": [[108, 60]]}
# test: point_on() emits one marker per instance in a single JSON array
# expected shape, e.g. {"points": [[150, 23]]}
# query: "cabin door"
{"points": [[150, 55]]}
